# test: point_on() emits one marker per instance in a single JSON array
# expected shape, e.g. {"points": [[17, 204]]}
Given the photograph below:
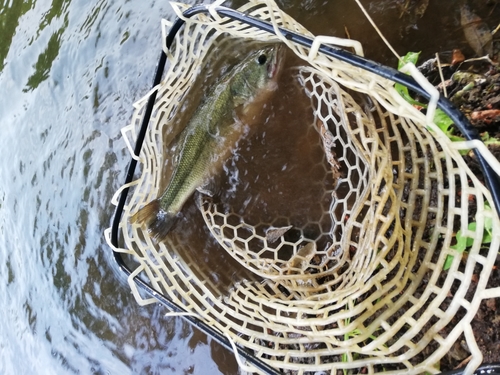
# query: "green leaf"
{"points": [[403, 91], [447, 262], [410, 57], [485, 137], [472, 227], [461, 244], [488, 226], [487, 238], [443, 121], [464, 242], [488, 140]]}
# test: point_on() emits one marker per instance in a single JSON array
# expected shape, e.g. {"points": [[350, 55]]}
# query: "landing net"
{"points": [[367, 291]]}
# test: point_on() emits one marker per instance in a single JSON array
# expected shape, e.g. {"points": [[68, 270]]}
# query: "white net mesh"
{"points": [[354, 282]]}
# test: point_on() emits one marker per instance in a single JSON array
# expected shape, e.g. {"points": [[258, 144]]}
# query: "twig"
{"points": [[464, 362], [496, 29], [441, 75], [377, 30]]}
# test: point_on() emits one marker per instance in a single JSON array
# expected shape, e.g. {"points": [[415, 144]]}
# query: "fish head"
{"points": [[258, 74], [266, 67]]}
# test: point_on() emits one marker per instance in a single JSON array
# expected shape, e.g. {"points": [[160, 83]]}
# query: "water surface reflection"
{"points": [[70, 72]]}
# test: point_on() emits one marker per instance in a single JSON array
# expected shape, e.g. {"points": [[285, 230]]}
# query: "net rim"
{"points": [[113, 237]]}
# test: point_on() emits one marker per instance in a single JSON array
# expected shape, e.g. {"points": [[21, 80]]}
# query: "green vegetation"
{"points": [[444, 122], [349, 335], [485, 137], [410, 57], [464, 242], [441, 119]]}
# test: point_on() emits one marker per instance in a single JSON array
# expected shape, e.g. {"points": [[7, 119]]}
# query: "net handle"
{"points": [[470, 133]]}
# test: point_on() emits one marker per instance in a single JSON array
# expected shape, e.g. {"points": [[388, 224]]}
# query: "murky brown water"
{"points": [[69, 73]]}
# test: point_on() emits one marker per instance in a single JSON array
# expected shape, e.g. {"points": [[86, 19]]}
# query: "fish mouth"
{"points": [[275, 66]]}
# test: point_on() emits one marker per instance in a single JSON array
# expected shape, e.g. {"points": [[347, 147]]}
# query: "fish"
{"points": [[230, 111]]}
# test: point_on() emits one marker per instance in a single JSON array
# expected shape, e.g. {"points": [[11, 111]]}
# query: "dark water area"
{"points": [[69, 74], [277, 176]]}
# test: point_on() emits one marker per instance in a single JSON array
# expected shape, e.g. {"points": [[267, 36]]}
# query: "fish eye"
{"points": [[262, 59]]}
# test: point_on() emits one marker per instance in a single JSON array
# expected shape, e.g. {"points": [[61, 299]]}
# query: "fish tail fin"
{"points": [[157, 221]]}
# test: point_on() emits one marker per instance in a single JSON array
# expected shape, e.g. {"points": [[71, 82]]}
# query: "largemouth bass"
{"points": [[229, 112]]}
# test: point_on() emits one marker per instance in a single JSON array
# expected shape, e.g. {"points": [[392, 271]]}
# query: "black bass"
{"points": [[229, 112]]}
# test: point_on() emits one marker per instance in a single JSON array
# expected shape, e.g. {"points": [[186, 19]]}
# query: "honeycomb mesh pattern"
{"points": [[368, 292]]}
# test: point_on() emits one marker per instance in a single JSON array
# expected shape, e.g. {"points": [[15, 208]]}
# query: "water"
{"points": [[69, 73]]}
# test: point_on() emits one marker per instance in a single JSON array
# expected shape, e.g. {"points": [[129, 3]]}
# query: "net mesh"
{"points": [[355, 284]]}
